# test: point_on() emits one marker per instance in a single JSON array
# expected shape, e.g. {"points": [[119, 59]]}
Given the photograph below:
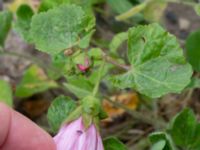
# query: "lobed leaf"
{"points": [[60, 28], [157, 63]]}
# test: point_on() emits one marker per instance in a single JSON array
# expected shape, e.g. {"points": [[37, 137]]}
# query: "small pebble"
{"points": [[184, 24]]}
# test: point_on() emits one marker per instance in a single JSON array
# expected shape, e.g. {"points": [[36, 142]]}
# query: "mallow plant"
{"points": [[154, 66]]}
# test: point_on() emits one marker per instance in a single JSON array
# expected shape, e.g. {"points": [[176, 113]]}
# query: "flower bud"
{"points": [[84, 67]]}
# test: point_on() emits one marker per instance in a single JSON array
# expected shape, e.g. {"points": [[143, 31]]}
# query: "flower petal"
{"points": [[74, 137], [99, 143], [67, 137]]}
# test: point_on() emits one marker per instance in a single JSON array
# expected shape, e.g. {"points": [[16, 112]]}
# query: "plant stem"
{"points": [[96, 88], [134, 10], [187, 98], [114, 62], [110, 60], [157, 123]]}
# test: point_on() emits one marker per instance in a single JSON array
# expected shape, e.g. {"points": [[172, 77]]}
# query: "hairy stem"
{"points": [[98, 79], [110, 60], [187, 98], [131, 12]]}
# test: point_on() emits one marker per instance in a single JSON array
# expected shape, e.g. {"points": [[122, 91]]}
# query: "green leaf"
{"points": [[197, 9], [157, 63], [74, 115], [79, 92], [95, 53], [60, 28], [192, 50], [5, 93], [48, 4], [5, 25], [154, 10], [196, 141], [120, 6], [85, 41], [195, 83], [160, 145], [79, 57], [63, 66], [34, 81], [161, 141], [113, 143], [80, 81], [183, 129], [59, 110], [23, 23], [79, 86], [117, 41]]}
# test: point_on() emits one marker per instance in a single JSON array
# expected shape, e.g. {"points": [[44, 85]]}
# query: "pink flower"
{"points": [[84, 67], [75, 137]]}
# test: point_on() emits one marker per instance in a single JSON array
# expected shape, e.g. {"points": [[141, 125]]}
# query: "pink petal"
{"points": [[74, 137], [68, 135], [85, 66], [99, 143], [82, 67], [88, 140]]}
